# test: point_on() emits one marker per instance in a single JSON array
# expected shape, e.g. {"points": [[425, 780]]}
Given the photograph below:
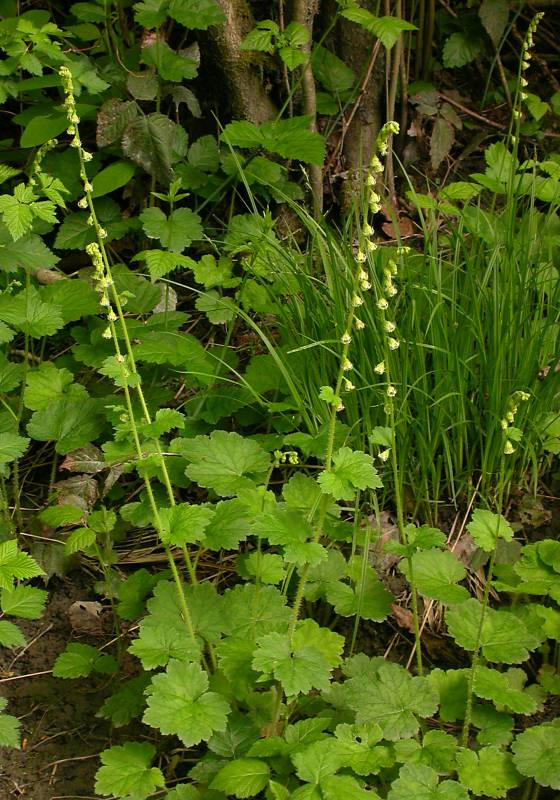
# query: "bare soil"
{"points": [[61, 735]]}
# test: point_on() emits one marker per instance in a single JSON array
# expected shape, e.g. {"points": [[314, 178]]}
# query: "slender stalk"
{"points": [[400, 524], [476, 654], [98, 253]]}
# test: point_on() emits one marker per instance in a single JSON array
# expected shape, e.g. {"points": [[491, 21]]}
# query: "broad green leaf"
{"points": [[243, 777], [229, 526], [290, 528], [176, 231], [179, 703], [360, 752], [27, 313], [162, 639], [12, 447], [369, 597], [461, 48], [460, 190], [184, 523], [196, 14], [351, 470], [20, 210], [126, 772], [289, 138], [504, 637], [26, 602], [76, 234], [261, 38], [183, 791], [71, 423], [161, 263], [345, 787], [211, 273], [536, 575], [486, 528], [225, 462], [45, 384], [218, 309], [251, 611], [163, 634], [15, 564], [151, 13], [120, 372], [42, 128], [387, 29], [490, 772], [420, 782], [303, 664], [7, 172], [79, 540], [133, 591], [319, 760], [88, 12], [204, 154], [10, 634], [143, 85], [112, 177], [170, 65], [436, 575], [241, 733], [265, 568], [166, 420], [11, 374], [393, 699], [178, 349], [331, 71], [452, 688], [496, 727], [126, 703], [536, 753], [29, 253], [9, 727], [438, 751], [501, 689], [80, 660]]}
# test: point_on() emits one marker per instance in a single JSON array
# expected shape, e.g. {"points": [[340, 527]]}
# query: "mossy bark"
{"points": [[240, 71]]}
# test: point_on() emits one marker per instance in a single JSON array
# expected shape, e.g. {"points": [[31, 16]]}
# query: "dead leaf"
{"points": [[84, 617], [403, 617], [88, 459], [80, 491], [404, 227], [441, 140], [47, 276], [465, 549]]}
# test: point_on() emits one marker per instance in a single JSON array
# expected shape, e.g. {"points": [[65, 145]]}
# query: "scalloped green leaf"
{"points": [[179, 703], [536, 753], [126, 772]]}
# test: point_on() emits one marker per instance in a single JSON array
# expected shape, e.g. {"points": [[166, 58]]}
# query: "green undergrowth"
{"points": [[260, 402]]}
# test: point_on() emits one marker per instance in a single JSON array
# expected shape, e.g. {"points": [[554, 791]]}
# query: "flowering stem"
{"points": [[98, 253]]}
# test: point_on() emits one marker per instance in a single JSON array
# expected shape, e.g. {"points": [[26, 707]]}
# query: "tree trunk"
{"points": [[248, 97]]}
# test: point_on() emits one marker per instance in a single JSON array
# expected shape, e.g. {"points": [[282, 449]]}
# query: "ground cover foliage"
{"points": [[192, 352]]}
